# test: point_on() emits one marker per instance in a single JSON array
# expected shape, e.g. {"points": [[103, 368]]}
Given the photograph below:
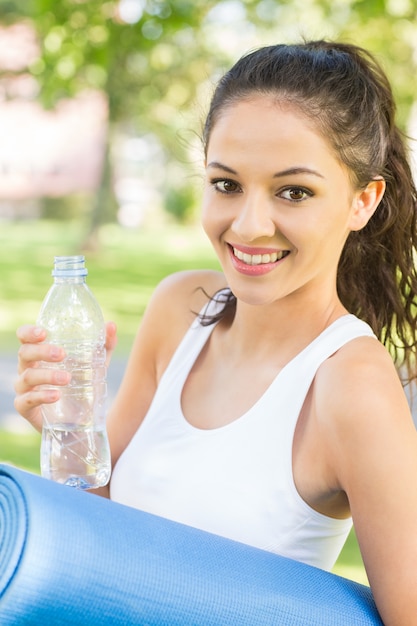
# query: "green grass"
{"points": [[349, 563], [20, 450], [123, 272]]}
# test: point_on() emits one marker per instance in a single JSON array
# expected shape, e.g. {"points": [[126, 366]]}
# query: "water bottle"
{"points": [[74, 448]]}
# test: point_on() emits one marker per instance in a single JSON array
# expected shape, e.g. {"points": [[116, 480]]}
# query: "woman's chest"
{"points": [[218, 392]]}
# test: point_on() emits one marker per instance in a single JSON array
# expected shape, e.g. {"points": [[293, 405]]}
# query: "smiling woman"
{"points": [[259, 403], [279, 202]]}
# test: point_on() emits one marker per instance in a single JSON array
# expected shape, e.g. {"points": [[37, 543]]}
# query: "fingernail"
{"points": [[37, 331], [56, 352], [61, 378]]}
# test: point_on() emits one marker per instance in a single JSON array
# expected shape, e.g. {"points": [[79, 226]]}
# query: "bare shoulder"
{"points": [[369, 442], [180, 296], [173, 307], [361, 410], [360, 391], [188, 289], [360, 374]]}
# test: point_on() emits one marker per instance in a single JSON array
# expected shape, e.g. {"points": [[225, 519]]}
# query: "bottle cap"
{"points": [[69, 266]]}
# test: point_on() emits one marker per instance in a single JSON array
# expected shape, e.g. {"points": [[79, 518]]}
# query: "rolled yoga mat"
{"points": [[69, 557]]}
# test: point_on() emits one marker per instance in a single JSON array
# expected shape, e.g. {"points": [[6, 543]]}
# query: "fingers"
{"points": [[30, 333], [34, 382], [33, 349], [30, 354], [111, 336], [111, 340], [33, 377], [28, 404], [34, 387]]}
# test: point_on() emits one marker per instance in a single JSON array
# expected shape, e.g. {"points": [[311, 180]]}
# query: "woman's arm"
{"points": [[372, 445], [169, 314], [167, 318]]}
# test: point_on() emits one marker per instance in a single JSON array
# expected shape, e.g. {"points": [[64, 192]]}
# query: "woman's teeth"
{"points": [[258, 259]]}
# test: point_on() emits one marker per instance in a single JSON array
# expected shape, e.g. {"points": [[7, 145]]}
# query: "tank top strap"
{"points": [[334, 337], [193, 341], [290, 387]]}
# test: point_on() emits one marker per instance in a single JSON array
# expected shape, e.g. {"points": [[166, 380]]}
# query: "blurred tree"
{"points": [[388, 28], [150, 57], [146, 56]]}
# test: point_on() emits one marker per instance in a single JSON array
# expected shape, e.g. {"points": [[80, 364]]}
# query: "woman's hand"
{"points": [[30, 388], [111, 340], [30, 393]]}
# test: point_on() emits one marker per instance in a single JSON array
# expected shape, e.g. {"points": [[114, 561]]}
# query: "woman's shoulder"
{"points": [[363, 363], [173, 307], [358, 356], [359, 408], [364, 384], [186, 292], [208, 279]]}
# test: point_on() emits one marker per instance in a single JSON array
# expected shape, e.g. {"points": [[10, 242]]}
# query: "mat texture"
{"points": [[69, 557]]}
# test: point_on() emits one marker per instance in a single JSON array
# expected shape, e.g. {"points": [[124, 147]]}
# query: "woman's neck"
{"points": [[260, 330]]}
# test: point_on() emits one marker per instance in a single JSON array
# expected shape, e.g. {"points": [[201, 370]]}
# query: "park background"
{"points": [[101, 107]]}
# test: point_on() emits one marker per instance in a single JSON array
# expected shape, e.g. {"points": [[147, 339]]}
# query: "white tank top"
{"points": [[236, 480]]}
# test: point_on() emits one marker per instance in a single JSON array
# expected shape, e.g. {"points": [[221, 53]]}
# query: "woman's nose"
{"points": [[254, 219]]}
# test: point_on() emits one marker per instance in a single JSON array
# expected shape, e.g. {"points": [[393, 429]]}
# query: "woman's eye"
{"points": [[295, 194], [224, 185]]}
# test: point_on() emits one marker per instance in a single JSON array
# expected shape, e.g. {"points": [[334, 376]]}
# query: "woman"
{"points": [[279, 416]]}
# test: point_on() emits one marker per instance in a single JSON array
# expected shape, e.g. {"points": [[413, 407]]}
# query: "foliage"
{"points": [[180, 202], [150, 56], [89, 45], [156, 59]]}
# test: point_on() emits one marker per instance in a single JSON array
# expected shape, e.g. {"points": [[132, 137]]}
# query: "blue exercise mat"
{"points": [[69, 557]]}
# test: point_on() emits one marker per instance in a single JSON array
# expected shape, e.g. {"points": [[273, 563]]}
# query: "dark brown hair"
{"points": [[344, 90]]}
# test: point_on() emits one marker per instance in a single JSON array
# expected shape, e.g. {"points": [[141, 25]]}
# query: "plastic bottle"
{"points": [[75, 449]]}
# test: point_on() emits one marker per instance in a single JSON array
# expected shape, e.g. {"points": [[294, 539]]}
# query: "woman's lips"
{"points": [[259, 257], [255, 261]]}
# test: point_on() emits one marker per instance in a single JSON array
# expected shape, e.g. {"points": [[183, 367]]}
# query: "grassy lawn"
{"points": [[21, 450], [122, 273]]}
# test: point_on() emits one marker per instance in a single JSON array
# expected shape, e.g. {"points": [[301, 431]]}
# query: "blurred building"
{"points": [[43, 153]]}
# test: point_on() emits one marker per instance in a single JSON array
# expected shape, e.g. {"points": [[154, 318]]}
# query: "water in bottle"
{"points": [[74, 448]]}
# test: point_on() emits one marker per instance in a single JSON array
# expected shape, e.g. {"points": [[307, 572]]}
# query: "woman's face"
{"points": [[277, 203]]}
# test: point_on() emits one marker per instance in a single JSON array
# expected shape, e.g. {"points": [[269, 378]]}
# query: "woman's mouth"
{"points": [[259, 259], [255, 262]]}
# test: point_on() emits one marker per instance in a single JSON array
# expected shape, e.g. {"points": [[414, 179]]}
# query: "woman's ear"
{"points": [[365, 203]]}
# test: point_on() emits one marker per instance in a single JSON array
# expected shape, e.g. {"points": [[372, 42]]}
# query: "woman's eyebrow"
{"points": [[289, 172], [298, 170], [220, 166]]}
